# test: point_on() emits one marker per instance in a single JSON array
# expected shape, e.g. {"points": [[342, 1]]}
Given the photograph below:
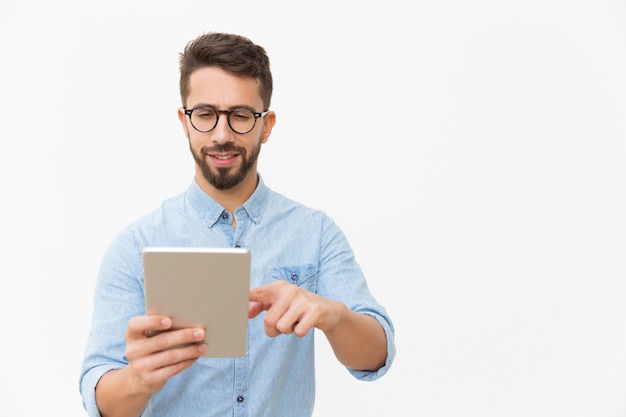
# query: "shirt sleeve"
{"points": [[118, 297], [341, 279]]}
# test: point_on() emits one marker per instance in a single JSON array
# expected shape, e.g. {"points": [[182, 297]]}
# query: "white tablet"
{"points": [[201, 287]]}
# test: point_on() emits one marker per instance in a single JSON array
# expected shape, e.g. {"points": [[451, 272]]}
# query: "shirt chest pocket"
{"points": [[303, 276]]}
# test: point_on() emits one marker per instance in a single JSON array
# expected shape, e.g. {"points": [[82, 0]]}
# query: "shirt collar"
{"points": [[210, 210]]}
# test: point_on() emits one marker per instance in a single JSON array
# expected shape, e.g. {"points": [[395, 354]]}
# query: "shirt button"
{"points": [[240, 399], [294, 277], [224, 216], [237, 246]]}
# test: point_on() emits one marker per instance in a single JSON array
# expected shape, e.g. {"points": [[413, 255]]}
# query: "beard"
{"points": [[226, 178]]}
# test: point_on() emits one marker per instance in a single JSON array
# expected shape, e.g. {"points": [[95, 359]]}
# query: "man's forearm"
{"points": [[117, 397], [359, 341]]}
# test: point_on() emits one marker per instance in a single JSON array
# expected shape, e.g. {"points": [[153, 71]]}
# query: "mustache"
{"points": [[222, 149]]}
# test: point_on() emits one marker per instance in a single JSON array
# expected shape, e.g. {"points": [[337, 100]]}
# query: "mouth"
{"points": [[223, 159]]}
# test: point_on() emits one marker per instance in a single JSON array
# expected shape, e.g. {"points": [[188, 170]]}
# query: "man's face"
{"points": [[225, 158]]}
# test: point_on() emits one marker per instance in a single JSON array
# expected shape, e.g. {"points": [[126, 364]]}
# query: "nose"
{"points": [[222, 133]]}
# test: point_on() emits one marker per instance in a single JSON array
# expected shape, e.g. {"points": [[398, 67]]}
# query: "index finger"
{"points": [[142, 326], [265, 294], [257, 294]]}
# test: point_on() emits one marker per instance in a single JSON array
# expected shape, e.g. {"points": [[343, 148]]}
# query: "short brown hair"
{"points": [[234, 54]]}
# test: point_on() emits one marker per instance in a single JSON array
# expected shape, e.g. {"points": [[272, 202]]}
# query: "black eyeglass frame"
{"points": [[256, 115]]}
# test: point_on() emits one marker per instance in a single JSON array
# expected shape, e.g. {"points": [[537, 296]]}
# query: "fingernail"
{"points": [[202, 348], [198, 334], [166, 322]]}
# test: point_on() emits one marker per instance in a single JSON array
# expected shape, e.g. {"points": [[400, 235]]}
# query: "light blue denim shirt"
{"points": [[287, 241]]}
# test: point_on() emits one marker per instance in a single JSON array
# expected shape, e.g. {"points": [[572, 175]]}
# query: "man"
{"points": [[303, 272]]}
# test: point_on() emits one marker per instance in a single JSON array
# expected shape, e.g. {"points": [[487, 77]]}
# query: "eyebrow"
{"points": [[238, 106]]}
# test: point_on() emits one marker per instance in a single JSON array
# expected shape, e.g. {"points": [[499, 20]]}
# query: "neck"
{"points": [[234, 197]]}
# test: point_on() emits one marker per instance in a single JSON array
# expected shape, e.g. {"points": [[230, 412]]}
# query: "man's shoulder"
{"points": [[279, 201], [157, 217], [281, 208]]}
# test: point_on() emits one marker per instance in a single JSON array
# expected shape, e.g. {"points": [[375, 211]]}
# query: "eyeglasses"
{"points": [[205, 118]]}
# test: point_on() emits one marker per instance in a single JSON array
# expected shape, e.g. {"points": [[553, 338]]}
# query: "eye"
{"points": [[242, 115], [204, 113]]}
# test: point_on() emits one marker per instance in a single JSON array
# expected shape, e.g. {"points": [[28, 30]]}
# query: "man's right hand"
{"points": [[154, 359]]}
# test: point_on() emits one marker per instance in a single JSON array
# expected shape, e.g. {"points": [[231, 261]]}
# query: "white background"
{"points": [[473, 152]]}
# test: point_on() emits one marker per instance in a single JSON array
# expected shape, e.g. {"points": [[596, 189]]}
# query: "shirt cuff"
{"points": [[391, 354], [88, 389]]}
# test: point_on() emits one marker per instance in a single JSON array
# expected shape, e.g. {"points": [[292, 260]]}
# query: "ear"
{"points": [[268, 124], [183, 121]]}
